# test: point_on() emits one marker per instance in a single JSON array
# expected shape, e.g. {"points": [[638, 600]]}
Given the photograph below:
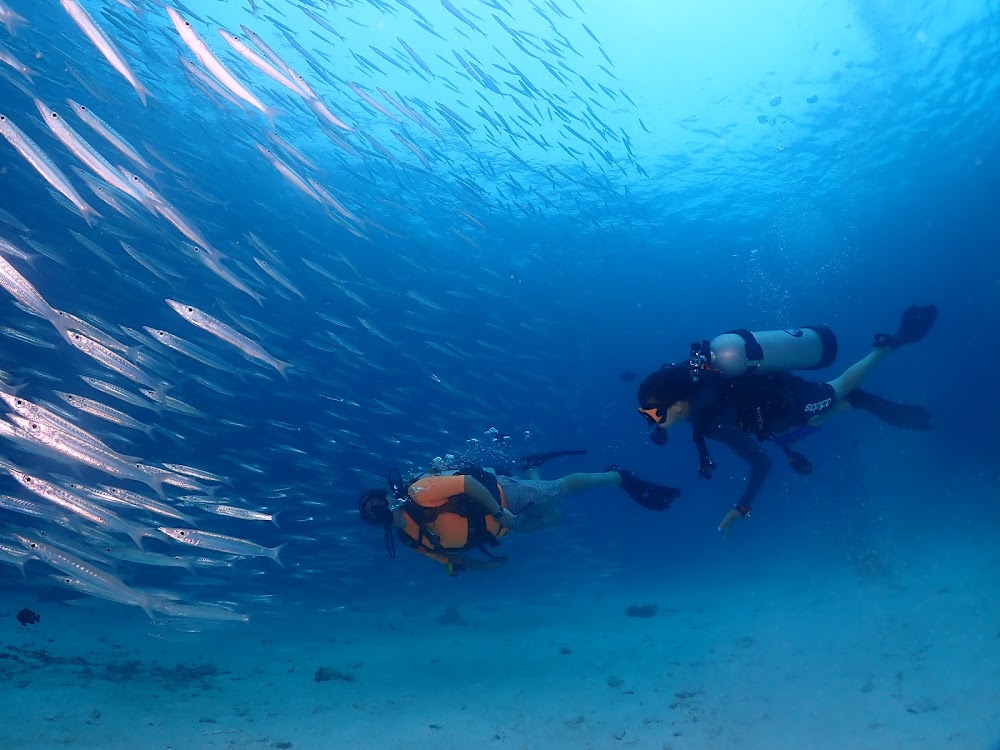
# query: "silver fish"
{"points": [[214, 66], [105, 412], [260, 63], [86, 573], [22, 290], [10, 19], [120, 393], [277, 276], [91, 453], [244, 514], [116, 495], [221, 543], [83, 508], [104, 45], [45, 167], [231, 336], [8, 58], [85, 152], [110, 135], [114, 361], [188, 349]]}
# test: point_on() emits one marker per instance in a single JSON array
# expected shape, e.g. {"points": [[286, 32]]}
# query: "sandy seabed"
{"points": [[846, 657]]}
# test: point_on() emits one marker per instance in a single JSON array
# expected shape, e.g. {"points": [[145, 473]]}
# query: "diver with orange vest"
{"points": [[738, 390], [445, 512]]}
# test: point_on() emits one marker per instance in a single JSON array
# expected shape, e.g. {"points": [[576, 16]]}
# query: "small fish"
{"points": [[10, 19], [265, 67], [26, 617], [23, 291], [222, 543], [85, 152], [214, 66], [244, 514], [217, 328], [104, 45], [8, 58], [45, 167]]}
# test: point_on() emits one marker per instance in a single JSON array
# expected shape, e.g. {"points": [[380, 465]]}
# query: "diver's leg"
{"points": [[854, 375], [533, 473], [573, 483], [837, 408]]}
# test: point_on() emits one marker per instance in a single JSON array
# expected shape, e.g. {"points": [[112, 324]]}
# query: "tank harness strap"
{"points": [[426, 538], [755, 353], [478, 534]]}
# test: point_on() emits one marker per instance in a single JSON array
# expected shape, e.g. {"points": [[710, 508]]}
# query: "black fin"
{"points": [[799, 463], [915, 324], [906, 416], [648, 495]]}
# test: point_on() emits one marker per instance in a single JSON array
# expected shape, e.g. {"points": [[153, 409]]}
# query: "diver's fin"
{"points": [[913, 327], [537, 459], [799, 463], [907, 416], [648, 495]]}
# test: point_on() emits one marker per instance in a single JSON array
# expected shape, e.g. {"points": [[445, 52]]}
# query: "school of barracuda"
{"points": [[140, 323]]}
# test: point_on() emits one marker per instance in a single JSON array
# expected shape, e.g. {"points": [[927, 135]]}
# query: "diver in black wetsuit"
{"points": [[744, 399]]}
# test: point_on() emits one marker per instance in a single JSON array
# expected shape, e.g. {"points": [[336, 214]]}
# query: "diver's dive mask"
{"points": [[652, 415], [654, 419]]}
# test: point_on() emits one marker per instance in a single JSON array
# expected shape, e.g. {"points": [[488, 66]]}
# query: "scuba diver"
{"points": [[445, 512], [738, 387]]}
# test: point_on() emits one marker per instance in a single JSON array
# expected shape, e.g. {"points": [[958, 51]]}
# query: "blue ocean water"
{"points": [[527, 200]]}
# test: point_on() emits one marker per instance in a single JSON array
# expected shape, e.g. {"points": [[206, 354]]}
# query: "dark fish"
{"points": [[628, 376], [412, 10], [414, 55], [386, 57], [592, 36], [26, 617], [459, 15]]}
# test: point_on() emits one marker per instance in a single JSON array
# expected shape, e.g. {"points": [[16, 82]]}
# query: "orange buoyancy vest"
{"points": [[440, 518]]}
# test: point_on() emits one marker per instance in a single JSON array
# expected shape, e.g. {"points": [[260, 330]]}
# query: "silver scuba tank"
{"points": [[741, 352]]}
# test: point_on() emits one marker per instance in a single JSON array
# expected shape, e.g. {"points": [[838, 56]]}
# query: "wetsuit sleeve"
{"points": [[747, 448]]}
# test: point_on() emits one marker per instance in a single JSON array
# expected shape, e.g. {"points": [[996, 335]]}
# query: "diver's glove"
{"points": [[454, 567], [658, 436], [506, 519]]}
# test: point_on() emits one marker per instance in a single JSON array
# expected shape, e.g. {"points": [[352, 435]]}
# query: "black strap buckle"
{"points": [[699, 359], [397, 486]]}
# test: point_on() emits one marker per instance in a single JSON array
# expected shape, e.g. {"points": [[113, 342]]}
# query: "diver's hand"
{"points": [[737, 512], [454, 566], [658, 436], [705, 468], [509, 521]]}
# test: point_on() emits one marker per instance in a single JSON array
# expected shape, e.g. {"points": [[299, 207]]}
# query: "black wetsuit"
{"points": [[743, 412]]}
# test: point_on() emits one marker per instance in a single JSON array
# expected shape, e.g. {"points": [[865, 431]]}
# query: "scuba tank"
{"points": [[742, 352]]}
